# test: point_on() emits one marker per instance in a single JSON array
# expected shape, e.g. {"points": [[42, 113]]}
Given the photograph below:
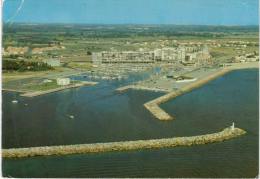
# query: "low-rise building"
{"points": [[169, 54], [63, 81], [15, 51], [250, 57], [123, 57], [52, 62], [47, 81], [184, 54]]}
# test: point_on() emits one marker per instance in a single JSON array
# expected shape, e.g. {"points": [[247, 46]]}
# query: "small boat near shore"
{"points": [[14, 101], [71, 116]]}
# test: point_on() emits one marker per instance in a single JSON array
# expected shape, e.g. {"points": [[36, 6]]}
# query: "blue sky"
{"points": [[183, 12]]}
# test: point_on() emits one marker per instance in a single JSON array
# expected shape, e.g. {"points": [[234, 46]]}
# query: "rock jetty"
{"points": [[153, 106], [138, 87], [226, 134]]}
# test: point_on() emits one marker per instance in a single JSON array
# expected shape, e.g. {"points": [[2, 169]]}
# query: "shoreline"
{"points": [[225, 134], [14, 90], [39, 93]]}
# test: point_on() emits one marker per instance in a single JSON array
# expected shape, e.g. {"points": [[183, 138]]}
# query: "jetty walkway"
{"points": [[226, 134]]}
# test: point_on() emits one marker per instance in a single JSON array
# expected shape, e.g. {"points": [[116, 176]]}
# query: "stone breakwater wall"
{"points": [[153, 106], [138, 87], [38, 93], [225, 134]]}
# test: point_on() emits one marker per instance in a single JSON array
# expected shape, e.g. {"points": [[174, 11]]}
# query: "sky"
{"points": [[179, 12]]}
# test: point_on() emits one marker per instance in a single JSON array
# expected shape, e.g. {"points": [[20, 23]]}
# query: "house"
{"points": [[52, 62], [63, 81]]}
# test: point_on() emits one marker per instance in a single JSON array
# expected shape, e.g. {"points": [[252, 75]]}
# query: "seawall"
{"points": [[225, 134]]}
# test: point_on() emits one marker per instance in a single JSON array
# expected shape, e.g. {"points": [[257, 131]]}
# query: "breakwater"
{"points": [[153, 106], [226, 134], [76, 85], [138, 87]]}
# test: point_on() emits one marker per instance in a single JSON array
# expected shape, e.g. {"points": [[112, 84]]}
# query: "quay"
{"points": [[38, 93], [226, 134]]}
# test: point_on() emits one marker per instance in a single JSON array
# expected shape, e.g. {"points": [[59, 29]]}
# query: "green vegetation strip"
{"points": [[21, 66], [227, 133]]}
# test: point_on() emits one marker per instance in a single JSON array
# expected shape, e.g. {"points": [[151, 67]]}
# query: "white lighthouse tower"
{"points": [[233, 126]]}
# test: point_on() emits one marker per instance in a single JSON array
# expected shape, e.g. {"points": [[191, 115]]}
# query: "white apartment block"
{"points": [[167, 55]]}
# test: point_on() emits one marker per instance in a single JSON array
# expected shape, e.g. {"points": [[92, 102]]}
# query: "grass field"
{"points": [[42, 86]]}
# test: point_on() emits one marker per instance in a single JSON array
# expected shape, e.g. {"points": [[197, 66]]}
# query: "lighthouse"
{"points": [[233, 126]]}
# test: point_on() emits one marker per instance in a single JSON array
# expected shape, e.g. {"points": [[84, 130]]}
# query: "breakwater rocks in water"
{"points": [[153, 106], [225, 134], [138, 87]]}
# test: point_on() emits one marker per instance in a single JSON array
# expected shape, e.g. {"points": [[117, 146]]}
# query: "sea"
{"points": [[102, 114]]}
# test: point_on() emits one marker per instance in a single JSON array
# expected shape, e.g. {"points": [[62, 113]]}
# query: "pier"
{"points": [[226, 134]]}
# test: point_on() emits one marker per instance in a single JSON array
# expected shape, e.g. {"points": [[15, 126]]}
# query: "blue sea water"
{"points": [[103, 115]]}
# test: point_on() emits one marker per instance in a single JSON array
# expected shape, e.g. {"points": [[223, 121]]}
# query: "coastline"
{"points": [[226, 134], [39, 93]]}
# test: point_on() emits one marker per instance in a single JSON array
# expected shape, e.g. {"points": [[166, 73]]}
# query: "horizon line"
{"points": [[151, 24]]}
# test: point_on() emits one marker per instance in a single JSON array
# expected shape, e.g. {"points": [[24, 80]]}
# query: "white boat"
{"points": [[186, 80], [71, 116], [14, 101]]}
